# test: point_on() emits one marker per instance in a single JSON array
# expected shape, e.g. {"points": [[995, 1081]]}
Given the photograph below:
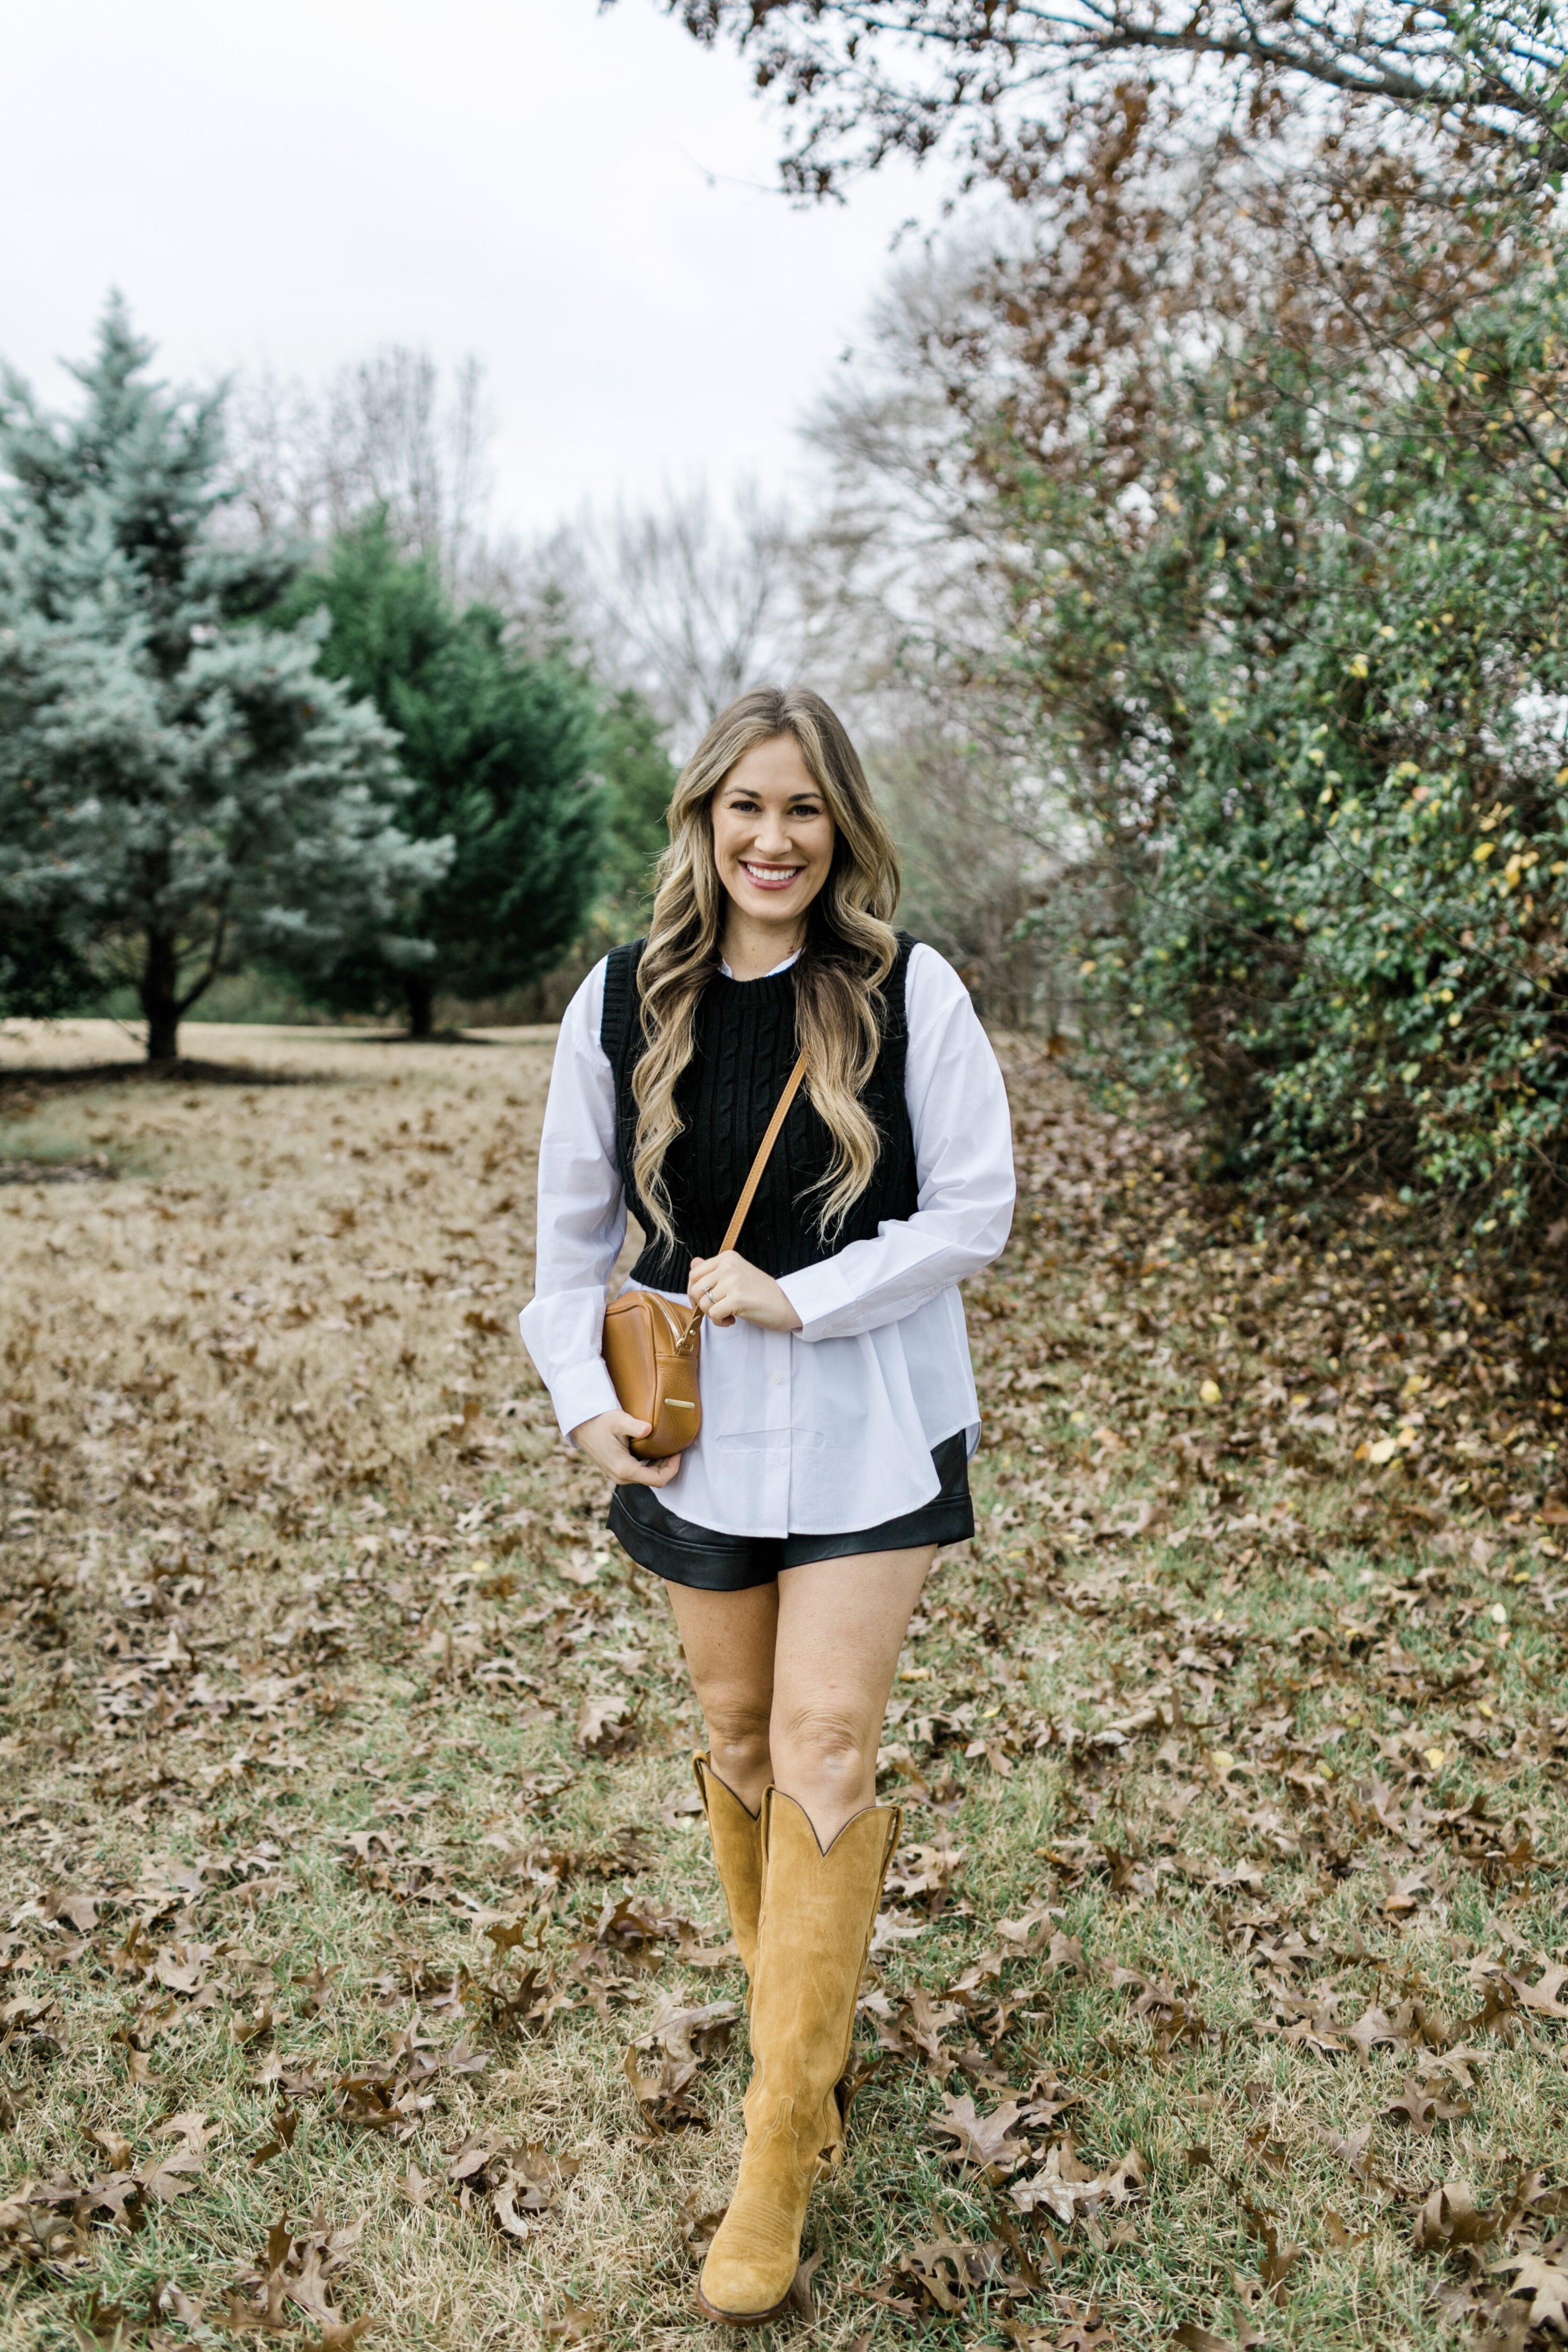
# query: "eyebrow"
{"points": [[753, 792]]}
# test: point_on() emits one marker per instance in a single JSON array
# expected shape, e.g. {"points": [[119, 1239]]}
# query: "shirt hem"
{"points": [[970, 1430]]}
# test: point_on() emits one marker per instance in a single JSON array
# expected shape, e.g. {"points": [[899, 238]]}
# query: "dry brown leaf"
{"points": [[606, 1723], [577, 2324], [1424, 2104], [698, 2031], [247, 2030], [986, 2141], [298, 2271], [505, 2205], [660, 2091], [1541, 2273], [1450, 2218], [1371, 2030], [1026, 1936], [80, 1909], [698, 2229], [285, 2124], [802, 2301], [1279, 2260], [1072, 2190], [335, 2337], [1542, 1997], [172, 2176], [318, 1985], [1082, 2330]]}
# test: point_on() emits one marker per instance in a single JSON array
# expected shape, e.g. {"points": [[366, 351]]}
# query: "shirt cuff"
{"points": [[817, 1293], [579, 1394]]}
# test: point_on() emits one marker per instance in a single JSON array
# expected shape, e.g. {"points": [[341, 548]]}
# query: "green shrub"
{"points": [[1307, 672]]}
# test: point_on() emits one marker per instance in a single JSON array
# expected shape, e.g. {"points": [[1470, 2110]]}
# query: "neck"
{"points": [[751, 948]]}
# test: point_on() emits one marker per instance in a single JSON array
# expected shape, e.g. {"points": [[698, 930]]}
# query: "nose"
{"points": [[771, 838]]}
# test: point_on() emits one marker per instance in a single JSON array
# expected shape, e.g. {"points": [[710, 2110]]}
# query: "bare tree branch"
{"points": [[383, 433], [688, 603], [860, 80]]}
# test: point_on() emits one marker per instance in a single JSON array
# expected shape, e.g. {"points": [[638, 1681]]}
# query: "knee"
{"points": [[825, 1746], [737, 1738]]}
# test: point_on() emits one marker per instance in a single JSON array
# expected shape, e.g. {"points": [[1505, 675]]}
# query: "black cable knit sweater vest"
{"points": [[726, 1095]]}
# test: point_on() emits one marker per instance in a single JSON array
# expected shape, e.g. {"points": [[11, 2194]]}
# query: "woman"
{"points": [[838, 1405]]}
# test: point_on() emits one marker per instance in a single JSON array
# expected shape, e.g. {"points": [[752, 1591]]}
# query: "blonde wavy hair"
{"points": [[849, 949]]}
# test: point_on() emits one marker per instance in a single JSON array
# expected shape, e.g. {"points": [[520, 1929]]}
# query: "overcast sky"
{"points": [[581, 200]]}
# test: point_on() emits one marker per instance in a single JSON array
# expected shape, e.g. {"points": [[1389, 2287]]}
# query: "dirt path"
{"points": [[362, 1961]]}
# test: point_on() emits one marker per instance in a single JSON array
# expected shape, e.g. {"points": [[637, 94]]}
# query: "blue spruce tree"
{"points": [[180, 786]]}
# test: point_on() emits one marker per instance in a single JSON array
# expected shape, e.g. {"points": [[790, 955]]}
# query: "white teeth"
{"points": [[771, 873]]}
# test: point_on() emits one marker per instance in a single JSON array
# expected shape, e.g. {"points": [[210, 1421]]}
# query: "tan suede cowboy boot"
{"points": [[818, 1911], [737, 1835]]}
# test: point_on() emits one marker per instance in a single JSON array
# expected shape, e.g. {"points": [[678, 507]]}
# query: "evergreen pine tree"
{"points": [[180, 786], [503, 752], [639, 778]]}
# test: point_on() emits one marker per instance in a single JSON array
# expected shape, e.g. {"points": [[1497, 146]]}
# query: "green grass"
{"points": [[238, 1657]]}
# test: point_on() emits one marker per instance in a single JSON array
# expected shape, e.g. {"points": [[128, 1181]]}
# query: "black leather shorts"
{"points": [[684, 1553]]}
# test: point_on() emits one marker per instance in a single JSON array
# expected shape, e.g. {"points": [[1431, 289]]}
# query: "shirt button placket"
{"points": [[778, 1428]]}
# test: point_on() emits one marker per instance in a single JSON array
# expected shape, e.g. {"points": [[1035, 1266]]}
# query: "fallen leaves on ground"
{"points": [[662, 2063], [348, 1833], [298, 2272]]}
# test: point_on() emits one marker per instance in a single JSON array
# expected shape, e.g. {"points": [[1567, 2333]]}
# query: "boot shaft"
{"points": [[818, 1911], [736, 1834]]}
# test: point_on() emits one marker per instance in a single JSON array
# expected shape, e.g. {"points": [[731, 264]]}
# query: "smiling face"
{"points": [[773, 837]]}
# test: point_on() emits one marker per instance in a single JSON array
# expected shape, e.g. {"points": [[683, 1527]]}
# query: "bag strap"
{"points": [[764, 1153]]}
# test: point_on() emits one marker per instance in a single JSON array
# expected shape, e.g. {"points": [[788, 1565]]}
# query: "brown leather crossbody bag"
{"points": [[653, 1345]]}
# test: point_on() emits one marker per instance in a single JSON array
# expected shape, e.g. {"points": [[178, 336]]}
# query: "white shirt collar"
{"points": [[767, 975]]}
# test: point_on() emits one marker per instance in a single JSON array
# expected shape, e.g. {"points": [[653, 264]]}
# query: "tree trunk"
{"points": [[160, 998], [419, 988]]}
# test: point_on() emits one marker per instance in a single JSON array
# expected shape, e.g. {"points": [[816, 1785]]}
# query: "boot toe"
{"points": [[744, 2288], [755, 2252]]}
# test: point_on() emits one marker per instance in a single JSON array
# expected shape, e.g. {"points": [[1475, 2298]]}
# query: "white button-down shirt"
{"points": [[828, 1429]]}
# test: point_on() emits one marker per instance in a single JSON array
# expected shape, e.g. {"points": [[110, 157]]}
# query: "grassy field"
{"points": [[361, 1967]]}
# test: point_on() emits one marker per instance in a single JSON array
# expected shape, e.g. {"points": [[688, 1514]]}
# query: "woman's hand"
{"points": [[604, 1441], [727, 1290]]}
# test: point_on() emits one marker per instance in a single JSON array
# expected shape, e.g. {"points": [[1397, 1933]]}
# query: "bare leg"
{"points": [[841, 1625], [729, 1640]]}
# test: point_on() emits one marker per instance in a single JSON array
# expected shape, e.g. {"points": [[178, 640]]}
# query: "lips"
{"points": [[771, 877]]}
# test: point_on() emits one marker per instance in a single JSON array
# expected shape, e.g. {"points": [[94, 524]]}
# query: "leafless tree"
{"points": [[688, 601], [384, 432], [910, 582]]}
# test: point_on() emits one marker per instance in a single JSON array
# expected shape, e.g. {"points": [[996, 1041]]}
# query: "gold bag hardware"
{"points": [[653, 1345]]}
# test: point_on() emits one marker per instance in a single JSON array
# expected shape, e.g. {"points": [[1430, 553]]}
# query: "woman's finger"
{"points": [[652, 1473]]}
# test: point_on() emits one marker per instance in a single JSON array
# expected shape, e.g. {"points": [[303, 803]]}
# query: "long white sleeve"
{"points": [[963, 1154], [581, 1216]]}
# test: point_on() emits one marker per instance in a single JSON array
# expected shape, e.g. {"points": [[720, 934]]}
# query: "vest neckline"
{"points": [[777, 972], [780, 981]]}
